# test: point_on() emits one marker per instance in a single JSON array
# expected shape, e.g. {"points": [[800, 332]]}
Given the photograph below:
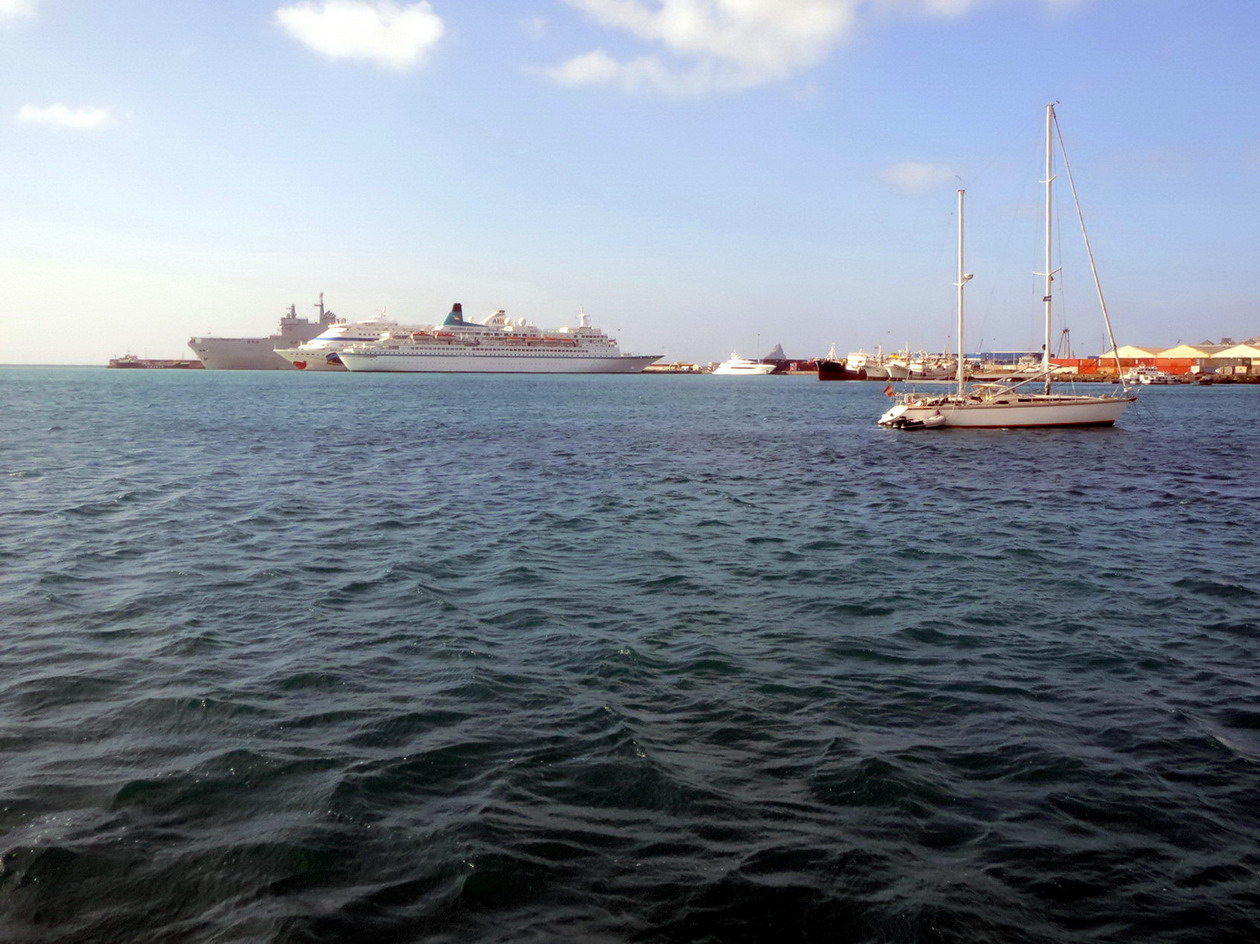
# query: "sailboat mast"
{"points": [[1049, 269], [961, 283]]}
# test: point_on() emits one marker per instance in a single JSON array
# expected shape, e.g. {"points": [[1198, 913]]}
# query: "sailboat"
{"points": [[1012, 405]]}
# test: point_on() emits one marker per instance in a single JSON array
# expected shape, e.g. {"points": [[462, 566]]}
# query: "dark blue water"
{"points": [[327, 658]]}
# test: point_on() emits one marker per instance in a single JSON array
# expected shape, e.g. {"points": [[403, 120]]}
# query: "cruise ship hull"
{"points": [[494, 362], [311, 360]]}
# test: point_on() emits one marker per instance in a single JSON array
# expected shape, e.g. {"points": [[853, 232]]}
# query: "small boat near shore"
{"points": [[931, 421], [1147, 375], [132, 362]]}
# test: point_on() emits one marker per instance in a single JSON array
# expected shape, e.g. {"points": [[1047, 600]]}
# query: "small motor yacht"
{"points": [[742, 367]]}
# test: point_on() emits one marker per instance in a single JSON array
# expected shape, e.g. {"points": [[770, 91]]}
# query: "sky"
{"points": [[699, 176]]}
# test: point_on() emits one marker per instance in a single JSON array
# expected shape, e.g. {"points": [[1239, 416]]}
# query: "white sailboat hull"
{"points": [[1016, 411]]}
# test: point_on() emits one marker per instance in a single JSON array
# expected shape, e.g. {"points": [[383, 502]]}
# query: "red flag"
{"points": [[888, 390]]}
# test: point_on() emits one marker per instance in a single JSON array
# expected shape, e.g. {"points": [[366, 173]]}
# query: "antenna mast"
{"points": [[1049, 270], [963, 278]]}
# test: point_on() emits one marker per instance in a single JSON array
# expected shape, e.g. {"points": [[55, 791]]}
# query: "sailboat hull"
{"points": [[1011, 412]]}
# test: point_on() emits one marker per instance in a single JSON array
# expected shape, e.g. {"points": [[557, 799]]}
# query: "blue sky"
{"points": [[700, 175]]}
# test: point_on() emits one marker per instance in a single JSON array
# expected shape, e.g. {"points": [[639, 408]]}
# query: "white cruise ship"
{"points": [[497, 345], [324, 352], [259, 353]]}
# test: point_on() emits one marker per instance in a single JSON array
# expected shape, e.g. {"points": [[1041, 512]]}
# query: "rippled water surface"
{"points": [[326, 658]]}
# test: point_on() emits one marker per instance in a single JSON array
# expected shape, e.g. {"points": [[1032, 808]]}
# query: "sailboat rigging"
{"points": [[1006, 405]]}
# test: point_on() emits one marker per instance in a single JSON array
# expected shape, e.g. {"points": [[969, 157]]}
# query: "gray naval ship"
{"points": [[259, 353]]}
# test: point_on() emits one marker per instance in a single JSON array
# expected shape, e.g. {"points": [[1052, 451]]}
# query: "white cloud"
{"points": [[914, 177], [721, 45], [535, 27], [730, 43], [15, 9], [65, 117], [948, 7], [396, 36], [647, 73]]}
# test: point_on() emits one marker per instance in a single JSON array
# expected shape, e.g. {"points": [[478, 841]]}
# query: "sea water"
{"points": [[347, 657]]}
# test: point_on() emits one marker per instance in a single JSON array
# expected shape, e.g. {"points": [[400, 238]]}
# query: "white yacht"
{"points": [[498, 344], [742, 367], [259, 353]]}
